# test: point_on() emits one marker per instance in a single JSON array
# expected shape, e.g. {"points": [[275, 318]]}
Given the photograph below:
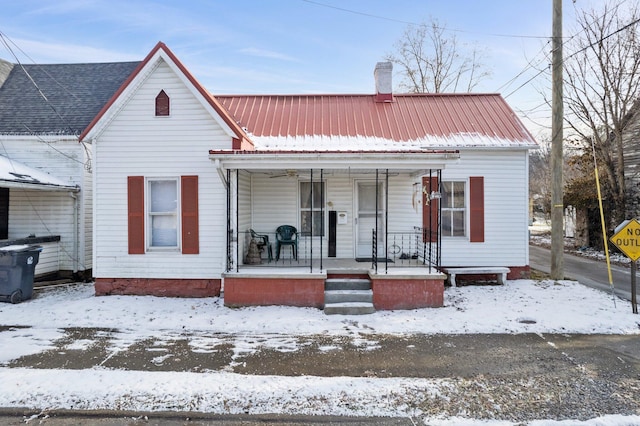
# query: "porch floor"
{"points": [[330, 266]]}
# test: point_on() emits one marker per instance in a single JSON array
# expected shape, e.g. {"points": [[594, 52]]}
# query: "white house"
{"points": [[190, 188], [45, 173]]}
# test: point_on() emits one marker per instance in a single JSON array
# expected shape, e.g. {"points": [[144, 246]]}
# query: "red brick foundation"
{"points": [[397, 292], [263, 291], [519, 272], [178, 287]]}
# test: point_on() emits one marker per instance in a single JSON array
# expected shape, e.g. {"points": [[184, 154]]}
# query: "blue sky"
{"points": [[286, 46]]}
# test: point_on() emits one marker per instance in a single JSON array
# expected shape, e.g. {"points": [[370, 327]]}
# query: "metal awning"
{"points": [[14, 174], [398, 161]]}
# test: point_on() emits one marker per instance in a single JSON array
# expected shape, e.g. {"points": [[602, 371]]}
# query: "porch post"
{"points": [[321, 213], [430, 238], [228, 187], [386, 220], [311, 245], [237, 221], [375, 255], [439, 227]]}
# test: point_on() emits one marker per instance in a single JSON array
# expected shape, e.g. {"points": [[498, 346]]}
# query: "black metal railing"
{"points": [[417, 248]]}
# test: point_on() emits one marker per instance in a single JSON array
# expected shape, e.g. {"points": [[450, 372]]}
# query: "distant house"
{"points": [[45, 173], [630, 137], [190, 189]]}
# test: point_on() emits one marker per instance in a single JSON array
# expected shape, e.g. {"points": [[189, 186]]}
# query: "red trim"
{"points": [[190, 224], [311, 151], [240, 134], [135, 206], [476, 209]]}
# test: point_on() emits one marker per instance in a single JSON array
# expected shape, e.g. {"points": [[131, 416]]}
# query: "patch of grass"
{"points": [[539, 275]]}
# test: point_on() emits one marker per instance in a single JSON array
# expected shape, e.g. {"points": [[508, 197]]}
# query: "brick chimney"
{"points": [[384, 83]]}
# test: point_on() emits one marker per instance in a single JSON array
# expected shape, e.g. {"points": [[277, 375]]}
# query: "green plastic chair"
{"points": [[287, 235]]}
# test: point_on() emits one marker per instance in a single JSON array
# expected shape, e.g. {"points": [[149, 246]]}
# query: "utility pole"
{"points": [[557, 207]]}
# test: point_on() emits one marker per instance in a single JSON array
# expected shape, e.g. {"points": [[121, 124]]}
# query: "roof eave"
{"points": [[352, 160]]}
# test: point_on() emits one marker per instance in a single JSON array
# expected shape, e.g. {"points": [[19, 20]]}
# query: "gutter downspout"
{"points": [[221, 173], [76, 231]]}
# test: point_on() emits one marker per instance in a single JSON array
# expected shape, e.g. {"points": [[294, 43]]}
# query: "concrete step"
{"points": [[347, 284], [349, 308], [339, 296]]}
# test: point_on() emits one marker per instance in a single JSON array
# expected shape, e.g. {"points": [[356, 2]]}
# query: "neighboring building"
{"points": [[386, 187], [45, 173], [630, 138]]}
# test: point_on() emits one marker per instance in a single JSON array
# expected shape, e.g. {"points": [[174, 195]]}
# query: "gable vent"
{"points": [[162, 104]]}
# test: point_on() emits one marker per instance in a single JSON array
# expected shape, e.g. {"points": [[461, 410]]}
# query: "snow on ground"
{"points": [[521, 306]]}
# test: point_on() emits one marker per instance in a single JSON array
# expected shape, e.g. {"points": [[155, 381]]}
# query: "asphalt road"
{"points": [[517, 377], [590, 272]]}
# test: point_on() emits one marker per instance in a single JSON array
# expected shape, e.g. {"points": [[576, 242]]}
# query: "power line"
{"points": [[629, 25], [5, 41], [40, 92], [529, 66], [385, 18]]}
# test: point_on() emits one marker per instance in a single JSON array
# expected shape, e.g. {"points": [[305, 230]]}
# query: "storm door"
{"points": [[366, 217]]}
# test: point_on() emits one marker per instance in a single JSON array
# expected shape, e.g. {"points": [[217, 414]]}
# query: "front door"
{"points": [[366, 218]]}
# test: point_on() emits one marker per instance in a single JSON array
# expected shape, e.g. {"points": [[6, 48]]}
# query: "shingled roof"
{"points": [[58, 98]]}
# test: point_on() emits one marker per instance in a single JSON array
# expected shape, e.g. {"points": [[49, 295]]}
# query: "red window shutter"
{"points": [[162, 104], [135, 203], [476, 209], [190, 228], [429, 209]]}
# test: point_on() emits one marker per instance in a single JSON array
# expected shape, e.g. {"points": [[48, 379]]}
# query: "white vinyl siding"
{"points": [[136, 143], [244, 212], [274, 202], [505, 210], [44, 213]]}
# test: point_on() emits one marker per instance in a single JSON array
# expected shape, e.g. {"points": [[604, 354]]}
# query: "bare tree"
{"points": [[433, 62], [602, 85], [540, 174]]}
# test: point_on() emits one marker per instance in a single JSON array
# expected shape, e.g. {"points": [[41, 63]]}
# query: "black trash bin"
{"points": [[17, 267]]}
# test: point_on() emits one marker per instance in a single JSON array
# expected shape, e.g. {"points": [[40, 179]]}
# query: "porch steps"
{"points": [[348, 296]]}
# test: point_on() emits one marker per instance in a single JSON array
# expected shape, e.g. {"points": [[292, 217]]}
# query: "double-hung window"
{"points": [[163, 214], [454, 208], [311, 208], [163, 199]]}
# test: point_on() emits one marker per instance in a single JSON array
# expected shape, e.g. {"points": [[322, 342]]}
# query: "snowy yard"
{"points": [[522, 306]]}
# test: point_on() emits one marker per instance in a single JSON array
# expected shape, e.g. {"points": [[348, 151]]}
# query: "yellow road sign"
{"points": [[627, 239]]}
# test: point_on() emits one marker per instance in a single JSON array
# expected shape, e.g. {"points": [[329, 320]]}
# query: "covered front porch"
{"points": [[349, 216]]}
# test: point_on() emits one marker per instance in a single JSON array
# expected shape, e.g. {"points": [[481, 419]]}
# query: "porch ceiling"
{"points": [[348, 162]]}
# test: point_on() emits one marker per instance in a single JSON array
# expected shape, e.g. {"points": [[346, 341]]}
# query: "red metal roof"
{"points": [[408, 117]]}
